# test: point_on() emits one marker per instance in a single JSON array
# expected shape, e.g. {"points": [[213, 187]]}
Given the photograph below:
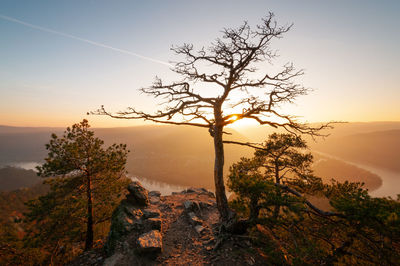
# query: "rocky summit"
{"points": [[178, 229]]}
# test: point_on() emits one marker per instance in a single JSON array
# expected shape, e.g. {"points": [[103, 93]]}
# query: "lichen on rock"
{"points": [[150, 242]]}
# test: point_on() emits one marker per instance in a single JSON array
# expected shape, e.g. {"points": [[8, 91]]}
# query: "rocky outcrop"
{"points": [[133, 219], [178, 229]]}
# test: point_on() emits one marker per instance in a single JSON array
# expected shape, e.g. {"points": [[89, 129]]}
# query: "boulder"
{"points": [[150, 242], [155, 193], [138, 195], [154, 197]]}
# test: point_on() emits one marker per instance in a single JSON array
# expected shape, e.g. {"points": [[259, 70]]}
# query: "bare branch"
{"points": [[257, 146], [143, 116], [308, 203]]}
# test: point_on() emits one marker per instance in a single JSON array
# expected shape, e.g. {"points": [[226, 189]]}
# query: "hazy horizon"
{"points": [[233, 126]]}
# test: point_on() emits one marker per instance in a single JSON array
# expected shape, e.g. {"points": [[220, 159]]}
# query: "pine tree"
{"points": [[273, 192], [85, 181]]}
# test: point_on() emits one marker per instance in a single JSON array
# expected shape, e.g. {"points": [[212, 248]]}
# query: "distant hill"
{"points": [[12, 178], [380, 148], [328, 169], [172, 154], [184, 155]]}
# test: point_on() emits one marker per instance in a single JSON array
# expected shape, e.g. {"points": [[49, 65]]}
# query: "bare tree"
{"points": [[229, 67]]}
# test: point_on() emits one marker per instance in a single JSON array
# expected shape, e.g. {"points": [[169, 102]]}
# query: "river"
{"points": [[23, 165], [390, 179], [164, 188]]}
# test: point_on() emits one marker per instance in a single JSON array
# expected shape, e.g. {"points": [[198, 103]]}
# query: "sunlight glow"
{"points": [[234, 118], [243, 123]]}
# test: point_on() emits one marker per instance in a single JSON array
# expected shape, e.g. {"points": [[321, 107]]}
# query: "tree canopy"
{"points": [[86, 181], [277, 194]]}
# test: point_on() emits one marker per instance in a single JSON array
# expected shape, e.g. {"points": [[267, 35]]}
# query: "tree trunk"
{"points": [[89, 230], [278, 181], [222, 202], [254, 208]]}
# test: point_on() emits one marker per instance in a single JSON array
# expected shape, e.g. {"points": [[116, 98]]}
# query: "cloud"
{"points": [[83, 40]]}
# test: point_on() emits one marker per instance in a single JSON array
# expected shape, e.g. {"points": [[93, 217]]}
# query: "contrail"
{"points": [[83, 40]]}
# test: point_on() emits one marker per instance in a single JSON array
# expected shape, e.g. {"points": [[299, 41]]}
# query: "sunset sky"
{"points": [[60, 59]]}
